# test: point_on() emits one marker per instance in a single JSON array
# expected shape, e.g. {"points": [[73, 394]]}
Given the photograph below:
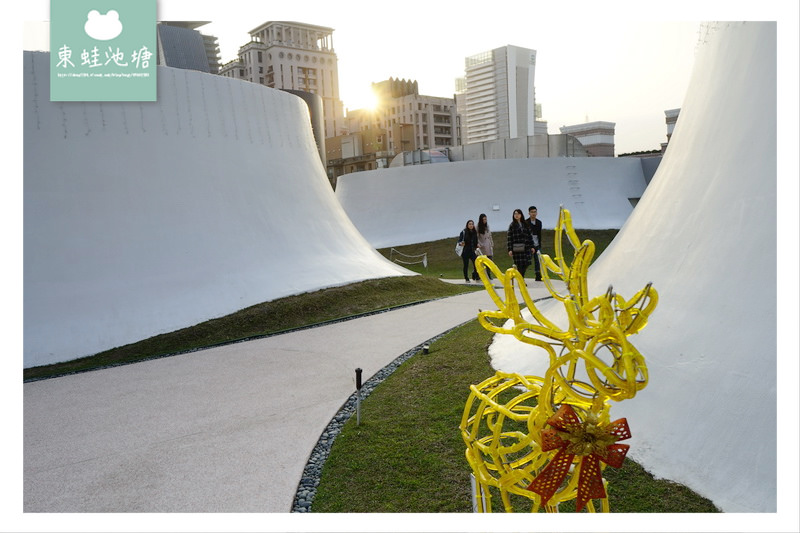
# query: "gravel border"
{"points": [[307, 487]]}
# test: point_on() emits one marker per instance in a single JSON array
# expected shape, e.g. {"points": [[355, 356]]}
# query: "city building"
{"points": [[355, 152], [294, 56], [403, 121], [596, 137], [180, 45], [412, 121], [497, 96], [671, 118]]}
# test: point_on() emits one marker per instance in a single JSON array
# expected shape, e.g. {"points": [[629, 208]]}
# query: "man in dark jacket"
{"points": [[535, 227]]}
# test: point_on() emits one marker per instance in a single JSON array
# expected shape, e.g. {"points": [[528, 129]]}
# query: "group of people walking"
{"points": [[523, 240]]}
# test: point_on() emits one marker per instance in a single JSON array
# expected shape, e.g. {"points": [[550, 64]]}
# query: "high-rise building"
{"points": [[499, 100], [180, 45], [294, 56]]}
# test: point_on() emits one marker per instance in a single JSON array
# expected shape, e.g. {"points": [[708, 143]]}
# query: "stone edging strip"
{"points": [[307, 487], [309, 481]]}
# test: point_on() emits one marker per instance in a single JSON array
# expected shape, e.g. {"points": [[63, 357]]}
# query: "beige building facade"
{"points": [[412, 121], [402, 121]]}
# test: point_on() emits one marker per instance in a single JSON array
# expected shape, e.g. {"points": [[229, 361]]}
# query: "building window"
{"points": [[260, 58]]}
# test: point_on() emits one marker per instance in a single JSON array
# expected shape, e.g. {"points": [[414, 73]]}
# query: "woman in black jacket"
{"points": [[469, 239], [519, 242]]}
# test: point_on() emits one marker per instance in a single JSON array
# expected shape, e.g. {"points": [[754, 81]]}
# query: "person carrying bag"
{"points": [[468, 239]]}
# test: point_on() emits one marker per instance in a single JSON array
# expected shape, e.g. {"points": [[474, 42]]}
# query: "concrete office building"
{"points": [[596, 137], [499, 100], [294, 56]]}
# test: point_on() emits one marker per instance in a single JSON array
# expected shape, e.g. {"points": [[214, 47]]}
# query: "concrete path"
{"points": [[227, 429]]}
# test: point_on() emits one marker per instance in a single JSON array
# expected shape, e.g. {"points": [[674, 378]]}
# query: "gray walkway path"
{"points": [[227, 429]]}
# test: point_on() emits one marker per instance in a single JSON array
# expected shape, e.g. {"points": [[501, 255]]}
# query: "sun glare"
{"points": [[366, 100], [370, 101]]}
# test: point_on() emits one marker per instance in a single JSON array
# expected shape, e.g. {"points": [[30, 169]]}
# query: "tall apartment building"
{"points": [[498, 97], [294, 56], [412, 121]]}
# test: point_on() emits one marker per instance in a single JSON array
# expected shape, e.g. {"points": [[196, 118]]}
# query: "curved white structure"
{"points": [[705, 234], [143, 218], [421, 203]]}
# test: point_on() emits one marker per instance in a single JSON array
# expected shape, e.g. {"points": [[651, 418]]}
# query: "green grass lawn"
{"points": [[265, 319], [407, 454], [444, 263]]}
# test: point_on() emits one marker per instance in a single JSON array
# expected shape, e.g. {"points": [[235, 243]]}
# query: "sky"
{"points": [[626, 73], [615, 61], [611, 61]]}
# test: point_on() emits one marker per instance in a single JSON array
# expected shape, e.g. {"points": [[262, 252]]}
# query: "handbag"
{"points": [[459, 248], [518, 247]]}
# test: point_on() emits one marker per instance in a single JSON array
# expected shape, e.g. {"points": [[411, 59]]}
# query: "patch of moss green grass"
{"points": [[267, 318], [407, 454], [443, 261]]}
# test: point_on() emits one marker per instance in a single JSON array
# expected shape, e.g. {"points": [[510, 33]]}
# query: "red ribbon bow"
{"points": [[594, 443]]}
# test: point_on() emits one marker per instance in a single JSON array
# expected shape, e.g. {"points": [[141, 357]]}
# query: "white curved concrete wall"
{"points": [[705, 234], [142, 218], [412, 204]]}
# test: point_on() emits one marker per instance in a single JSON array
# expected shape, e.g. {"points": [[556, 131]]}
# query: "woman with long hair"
{"points": [[485, 241], [469, 240], [519, 242]]}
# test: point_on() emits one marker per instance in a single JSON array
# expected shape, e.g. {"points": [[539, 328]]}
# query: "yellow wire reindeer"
{"points": [[548, 438]]}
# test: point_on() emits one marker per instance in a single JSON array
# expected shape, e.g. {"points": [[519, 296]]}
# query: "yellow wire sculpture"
{"points": [[549, 438]]}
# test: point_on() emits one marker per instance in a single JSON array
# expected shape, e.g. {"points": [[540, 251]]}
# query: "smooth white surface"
{"points": [[228, 429], [705, 234], [421, 203], [143, 218]]}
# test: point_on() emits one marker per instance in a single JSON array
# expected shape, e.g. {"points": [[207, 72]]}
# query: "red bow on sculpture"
{"points": [[586, 439]]}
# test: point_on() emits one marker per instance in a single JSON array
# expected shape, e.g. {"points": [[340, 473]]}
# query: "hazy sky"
{"points": [[592, 62], [622, 72], [618, 61]]}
